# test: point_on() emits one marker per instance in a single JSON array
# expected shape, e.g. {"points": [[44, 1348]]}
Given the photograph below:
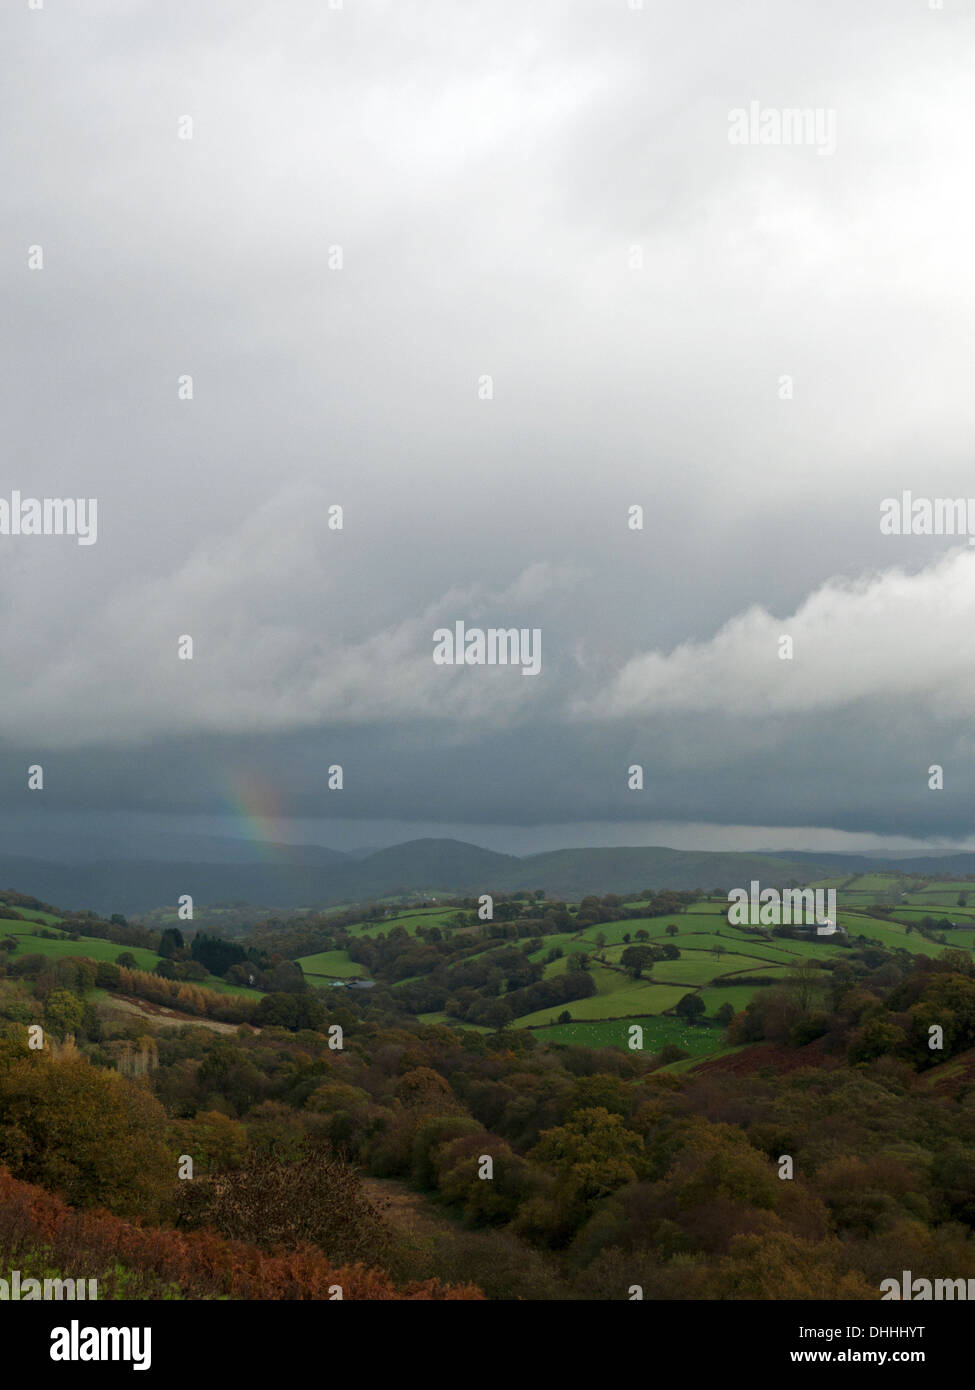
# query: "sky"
{"points": [[486, 277]]}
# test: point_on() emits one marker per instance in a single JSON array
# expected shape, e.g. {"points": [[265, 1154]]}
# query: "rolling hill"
{"points": [[313, 876]]}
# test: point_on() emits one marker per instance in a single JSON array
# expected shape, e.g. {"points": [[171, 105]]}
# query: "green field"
{"points": [[874, 883], [409, 921], [330, 965], [214, 982], [777, 952], [634, 999], [97, 949], [561, 939], [964, 916], [890, 934], [657, 1033], [603, 1018], [701, 929], [615, 931], [452, 1022], [558, 967], [92, 947], [33, 914], [698, 968], [735, 995]]}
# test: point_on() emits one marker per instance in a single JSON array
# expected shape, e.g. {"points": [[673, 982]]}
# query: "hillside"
{"points": [[519, 973], [637, 1139], [574, 873], [313, 876]]}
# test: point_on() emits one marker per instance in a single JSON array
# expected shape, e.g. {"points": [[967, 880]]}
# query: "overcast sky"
{"points": [[493, 173]]}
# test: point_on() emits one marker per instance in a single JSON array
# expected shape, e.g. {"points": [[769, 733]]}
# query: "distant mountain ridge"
{"points": [[289, 876]]}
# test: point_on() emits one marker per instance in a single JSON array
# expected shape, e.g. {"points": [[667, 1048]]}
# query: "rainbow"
{"points": [[255, 809]]}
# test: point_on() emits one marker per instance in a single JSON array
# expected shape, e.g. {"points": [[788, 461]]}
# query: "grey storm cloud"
{"points": [[544, 194]]}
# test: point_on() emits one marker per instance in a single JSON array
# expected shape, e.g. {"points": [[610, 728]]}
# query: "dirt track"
{"points": [[165, 1018]]}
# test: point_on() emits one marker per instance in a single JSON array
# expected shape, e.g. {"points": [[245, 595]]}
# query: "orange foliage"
{"points": [[201, 1264], [190, 998]]}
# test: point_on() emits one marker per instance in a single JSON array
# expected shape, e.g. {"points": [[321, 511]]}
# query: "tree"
{"points": [[491, 1203], [642, 934], [216, 954], [287, 978], [170, 942], [603, 1091], [804, 983], [498, 1014], [426, 1090], [87, 1133], [127, 960], [593, 1154], [283, 1010], [636, 959], [690, 1007], [316, 1201], [672, 929], [725, 1014], [63, 1012]]}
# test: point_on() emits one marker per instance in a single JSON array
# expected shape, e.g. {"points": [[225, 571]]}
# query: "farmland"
{"points": [[329, 965], [717, 963], [91, 948], [697, 968]]}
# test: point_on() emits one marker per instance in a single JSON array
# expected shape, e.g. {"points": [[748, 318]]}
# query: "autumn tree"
{"points": [[63, 1012], [88, 1133], [593, 1154], [316, 1201]]}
